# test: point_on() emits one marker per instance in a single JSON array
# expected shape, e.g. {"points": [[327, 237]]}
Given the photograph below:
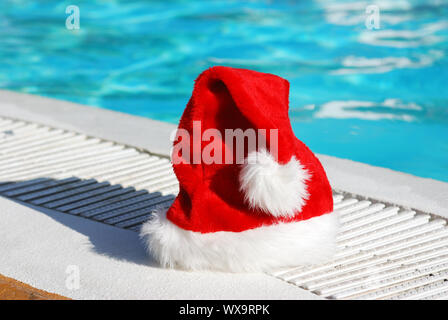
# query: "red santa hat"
{"points": [[267, 206]]}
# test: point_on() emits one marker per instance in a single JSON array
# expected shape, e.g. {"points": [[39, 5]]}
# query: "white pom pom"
{"points": [[279, 190]]}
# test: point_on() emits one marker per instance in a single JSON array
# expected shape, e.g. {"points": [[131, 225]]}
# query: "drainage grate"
{"points": [[386, 251]]}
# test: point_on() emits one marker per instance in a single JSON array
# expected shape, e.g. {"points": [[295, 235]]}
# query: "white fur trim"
{"points": [[305, 242], [277, 189]]}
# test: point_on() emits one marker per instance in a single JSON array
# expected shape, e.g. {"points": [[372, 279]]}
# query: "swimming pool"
{"points": [[375, 96]]}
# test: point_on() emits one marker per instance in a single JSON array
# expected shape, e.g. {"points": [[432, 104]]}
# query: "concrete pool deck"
{"points": [[37, 248]]}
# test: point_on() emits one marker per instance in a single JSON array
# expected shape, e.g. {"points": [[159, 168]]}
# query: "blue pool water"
{"points": [[376, 96]]}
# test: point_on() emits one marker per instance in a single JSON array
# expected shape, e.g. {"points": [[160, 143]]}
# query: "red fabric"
{"points": [[227, 98]]}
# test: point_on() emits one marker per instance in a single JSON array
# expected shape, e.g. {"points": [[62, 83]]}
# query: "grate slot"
{"points": [[39, 186], [108, 202], [162, 203], [134, 207], [15, 185], [120, 204], [54, 190], [82, 196], [90, 185], [94, 200]]}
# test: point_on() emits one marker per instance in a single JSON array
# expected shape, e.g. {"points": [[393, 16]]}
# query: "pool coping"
{"points": [[427, 195]]}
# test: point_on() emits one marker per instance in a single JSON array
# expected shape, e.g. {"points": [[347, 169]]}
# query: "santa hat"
{"points": [[272, 209]]}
